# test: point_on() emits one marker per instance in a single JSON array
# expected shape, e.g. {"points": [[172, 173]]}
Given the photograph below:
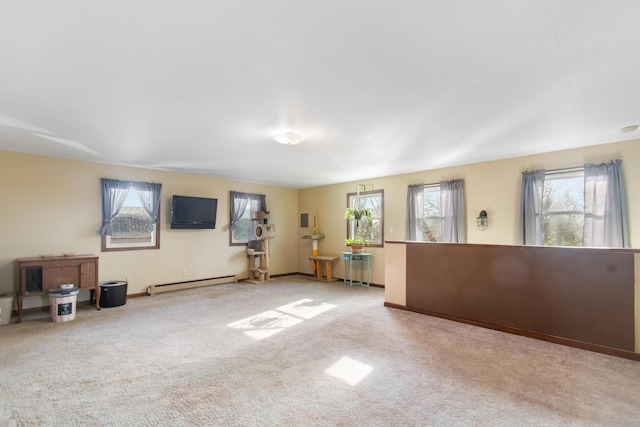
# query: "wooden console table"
{"points": [[38, 275], [318, 261]]}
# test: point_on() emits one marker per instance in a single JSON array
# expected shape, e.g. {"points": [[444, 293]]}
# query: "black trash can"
{"points": [[113, 294]]}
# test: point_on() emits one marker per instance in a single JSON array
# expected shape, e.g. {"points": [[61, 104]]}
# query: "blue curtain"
{"points": [[114, 193], [238, 205], [605, 206], [454, 226], [240, 202], [531, 207], [149, 195], [415, 210]]}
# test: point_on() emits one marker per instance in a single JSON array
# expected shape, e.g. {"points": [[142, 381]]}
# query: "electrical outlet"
{"points": [[129, 279], [184, 272]]}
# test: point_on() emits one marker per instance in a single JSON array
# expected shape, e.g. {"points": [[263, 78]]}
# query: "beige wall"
{"points": [[492, 186], [53, 206]]}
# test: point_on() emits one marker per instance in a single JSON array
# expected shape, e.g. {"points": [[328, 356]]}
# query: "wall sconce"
{"points": [[482, 221]]}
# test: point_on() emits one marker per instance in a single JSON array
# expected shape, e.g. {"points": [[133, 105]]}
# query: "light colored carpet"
{"points": [[301, 353]]}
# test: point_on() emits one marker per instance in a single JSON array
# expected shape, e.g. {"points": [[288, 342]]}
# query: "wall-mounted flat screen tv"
{"points": [[193, 212]]}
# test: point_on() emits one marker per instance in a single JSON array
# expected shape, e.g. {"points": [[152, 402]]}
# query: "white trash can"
{"points": [[6, 306], [63, 304]]}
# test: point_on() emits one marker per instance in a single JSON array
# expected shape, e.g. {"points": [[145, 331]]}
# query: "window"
{"points": [[242, 207], [581, 206], [563, 208], [131, 214], [436, 212], [372, 231], [432, 214]]}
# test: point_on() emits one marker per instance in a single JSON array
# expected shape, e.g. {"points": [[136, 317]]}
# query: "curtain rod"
{"points": [[562, 170]]}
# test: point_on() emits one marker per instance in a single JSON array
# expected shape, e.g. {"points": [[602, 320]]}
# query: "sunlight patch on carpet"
{"points": [[349, 370], [271, 322], [305, 308], [265, 324]]}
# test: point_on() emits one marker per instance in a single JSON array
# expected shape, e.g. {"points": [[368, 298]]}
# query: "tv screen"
{"points": [[193, 212]]}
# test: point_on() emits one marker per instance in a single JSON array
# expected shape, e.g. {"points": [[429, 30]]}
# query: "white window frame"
{"points": [[556, 175], [431, 188]]}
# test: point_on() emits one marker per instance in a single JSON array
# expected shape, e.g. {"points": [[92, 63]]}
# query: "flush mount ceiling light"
{"points": [[289, 138], [629, 129]]}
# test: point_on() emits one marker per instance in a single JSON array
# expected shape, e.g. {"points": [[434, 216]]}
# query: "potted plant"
{"points": [[356, 244], [358, 215]]}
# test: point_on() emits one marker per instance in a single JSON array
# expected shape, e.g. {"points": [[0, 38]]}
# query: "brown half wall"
{"points": [[580, 294]]}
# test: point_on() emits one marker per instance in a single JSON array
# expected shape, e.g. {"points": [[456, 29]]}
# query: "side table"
{"points": [[360, 259]]}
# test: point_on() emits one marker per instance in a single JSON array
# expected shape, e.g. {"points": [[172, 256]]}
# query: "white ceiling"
{"points": [[377, 87]]}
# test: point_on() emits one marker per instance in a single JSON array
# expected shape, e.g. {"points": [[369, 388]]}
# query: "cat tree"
{"points": [[317, 260], [259, 256]]}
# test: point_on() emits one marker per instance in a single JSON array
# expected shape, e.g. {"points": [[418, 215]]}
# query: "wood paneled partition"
{"points": [[584, 295]]}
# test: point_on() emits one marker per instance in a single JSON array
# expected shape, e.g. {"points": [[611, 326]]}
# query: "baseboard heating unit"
{"points": [[178, 286]]}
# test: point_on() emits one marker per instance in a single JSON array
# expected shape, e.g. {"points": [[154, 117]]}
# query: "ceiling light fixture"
{"points": [[289, 138], [629, 129]]}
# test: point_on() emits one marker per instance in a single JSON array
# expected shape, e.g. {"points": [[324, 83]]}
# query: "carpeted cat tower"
{"points": [[259, 255]]}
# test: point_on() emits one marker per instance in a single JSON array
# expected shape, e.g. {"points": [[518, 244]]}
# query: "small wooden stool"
{"points": [[318, 262]]}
